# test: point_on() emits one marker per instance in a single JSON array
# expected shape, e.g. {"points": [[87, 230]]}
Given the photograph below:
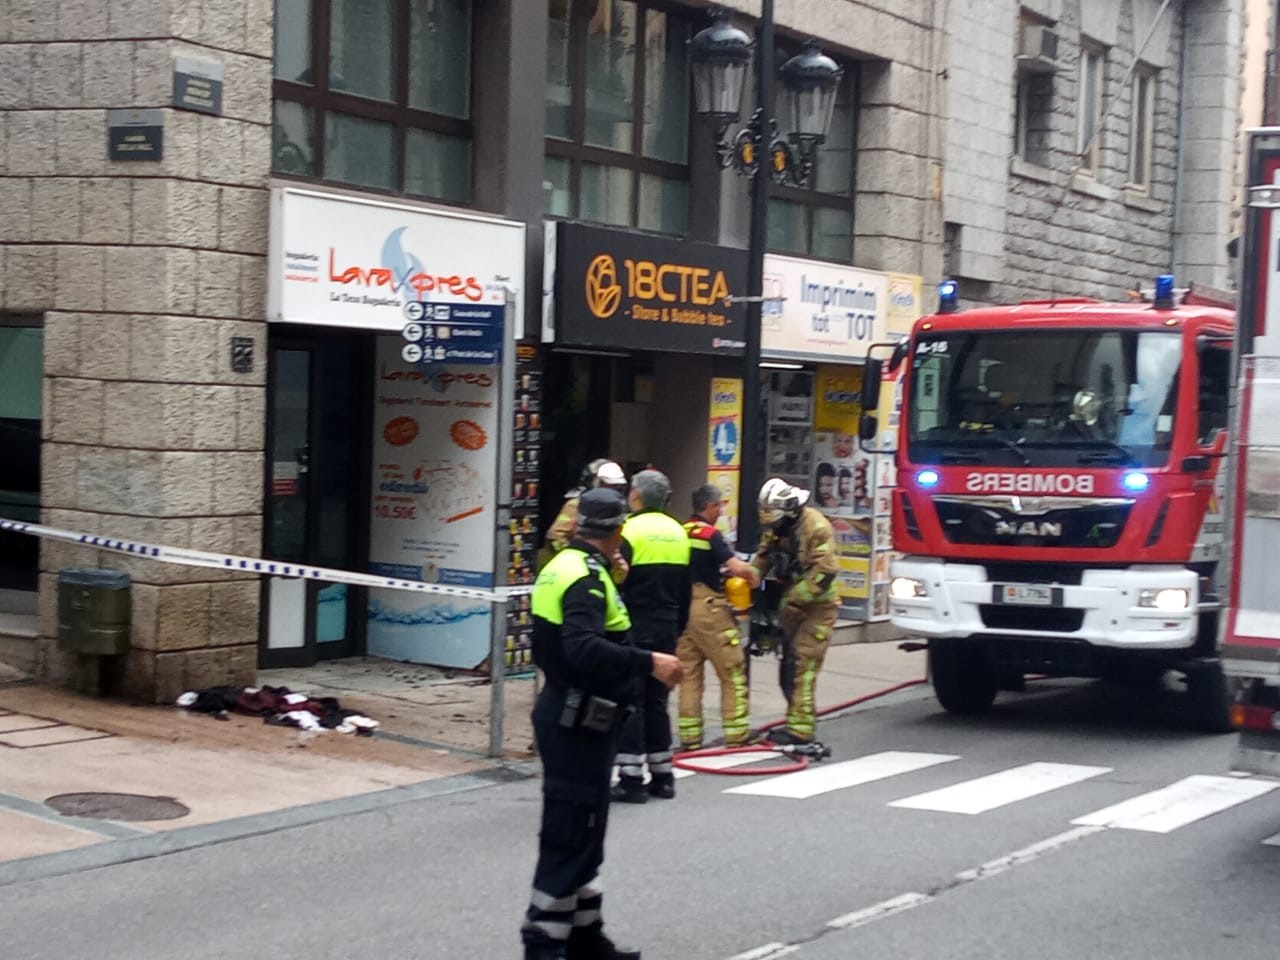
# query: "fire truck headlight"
{"points": [[907, 588], [1169, 600]]}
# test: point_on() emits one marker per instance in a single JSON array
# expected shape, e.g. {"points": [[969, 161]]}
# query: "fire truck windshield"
{"points": [[1043, 398]]}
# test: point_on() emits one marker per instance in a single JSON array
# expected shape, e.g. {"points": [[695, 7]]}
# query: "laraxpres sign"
{"points": [[341, 261], [619, 289]]}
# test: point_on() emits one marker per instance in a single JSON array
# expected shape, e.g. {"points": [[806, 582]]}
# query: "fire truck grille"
{"points": [[985, 522], [999, 616]]}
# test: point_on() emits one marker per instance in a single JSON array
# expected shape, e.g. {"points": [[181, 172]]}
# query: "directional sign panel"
{"points": [[457, 333]]}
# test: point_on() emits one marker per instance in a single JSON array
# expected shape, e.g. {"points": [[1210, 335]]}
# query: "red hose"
{"points": [[682, 760], [795, 763]]}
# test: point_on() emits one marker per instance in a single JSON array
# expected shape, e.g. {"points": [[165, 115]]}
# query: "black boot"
{"points": [[591, 943], [628, 790], [543, 953], [782, 736], [664, 788]]}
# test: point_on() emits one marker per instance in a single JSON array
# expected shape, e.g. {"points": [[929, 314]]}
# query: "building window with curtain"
{"points": [[376, 94], [816, 220], [1089, 105], [617, 114], [1140, 128]]}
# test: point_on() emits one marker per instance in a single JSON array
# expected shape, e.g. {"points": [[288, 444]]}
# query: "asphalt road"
{"points": [[924, 836]]}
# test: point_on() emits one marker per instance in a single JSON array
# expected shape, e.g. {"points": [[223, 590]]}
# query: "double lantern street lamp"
{"points": [[720, 55]]}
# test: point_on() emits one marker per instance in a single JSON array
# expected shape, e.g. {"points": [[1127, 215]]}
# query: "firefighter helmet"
{"points": [[604, 473], [779, 499]]}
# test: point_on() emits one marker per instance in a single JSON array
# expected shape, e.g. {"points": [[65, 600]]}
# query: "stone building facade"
{"points": [[140, 274], [1028, 215], [146, 278]]}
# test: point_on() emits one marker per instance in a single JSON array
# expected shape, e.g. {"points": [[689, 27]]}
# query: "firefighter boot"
{"points": [[629, 790], [664, 788], [591, 943], [784, 737]]}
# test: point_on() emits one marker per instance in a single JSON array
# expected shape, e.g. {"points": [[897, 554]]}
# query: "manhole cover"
{"points": [[117, 806]]}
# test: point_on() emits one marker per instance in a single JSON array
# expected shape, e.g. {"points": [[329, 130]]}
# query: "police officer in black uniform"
{"points": [[580, 643]]}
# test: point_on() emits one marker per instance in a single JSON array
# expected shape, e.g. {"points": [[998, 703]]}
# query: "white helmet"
{"points": [[780, 499], [610, 475]]}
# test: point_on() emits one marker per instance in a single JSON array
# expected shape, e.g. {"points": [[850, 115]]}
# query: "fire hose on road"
{"points": [[797, 756]]}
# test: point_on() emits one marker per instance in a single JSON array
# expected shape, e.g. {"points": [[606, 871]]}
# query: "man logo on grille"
{"points": [[602, 287]]}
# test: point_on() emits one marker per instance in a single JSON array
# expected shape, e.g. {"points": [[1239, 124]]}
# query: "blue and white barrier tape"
{"points": [[274, 568]]}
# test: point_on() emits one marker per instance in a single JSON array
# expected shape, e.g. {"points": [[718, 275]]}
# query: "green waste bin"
{"points": [[93, 621]]}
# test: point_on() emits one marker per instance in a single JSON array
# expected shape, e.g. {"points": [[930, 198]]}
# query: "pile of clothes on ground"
{"points": [[279, 706]]}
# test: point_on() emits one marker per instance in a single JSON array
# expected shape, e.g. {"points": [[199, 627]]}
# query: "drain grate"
{"points": [[117, 806]]}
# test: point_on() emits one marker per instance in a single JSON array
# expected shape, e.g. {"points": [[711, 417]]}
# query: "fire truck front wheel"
{"points": [[962, 680], [1208, 697]]}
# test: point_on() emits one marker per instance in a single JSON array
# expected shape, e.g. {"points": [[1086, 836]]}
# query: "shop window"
{"points": [[617, 114], [376, 94], [788, 400], [1140, 123], [816, 220]]}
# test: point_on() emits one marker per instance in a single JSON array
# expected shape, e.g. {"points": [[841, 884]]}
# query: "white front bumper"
{"points": [[1109, 599]]}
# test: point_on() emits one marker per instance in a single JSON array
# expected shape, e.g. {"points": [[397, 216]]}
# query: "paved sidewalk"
{"points": [[434, 727]]}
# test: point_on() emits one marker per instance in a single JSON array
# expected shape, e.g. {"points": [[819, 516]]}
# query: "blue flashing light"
{"points": [[927, 478], [1136, 481], [1163, 299], [948, 296]]}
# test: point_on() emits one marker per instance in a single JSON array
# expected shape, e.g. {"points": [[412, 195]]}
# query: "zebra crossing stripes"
{"points": [[1185, 801], [826, 777], [1162, 810], [996, 790]]}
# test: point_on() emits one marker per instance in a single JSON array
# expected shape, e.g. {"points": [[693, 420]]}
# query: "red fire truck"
{"points": [[1060, 480], [1251, 625]]}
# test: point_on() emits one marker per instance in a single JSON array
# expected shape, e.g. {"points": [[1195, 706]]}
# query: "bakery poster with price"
{"points": [[433, 505]]}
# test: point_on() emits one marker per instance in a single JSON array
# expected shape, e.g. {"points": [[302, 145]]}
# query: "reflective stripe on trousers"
{"points": [[576, 765], [712, 635], [811, 639]]}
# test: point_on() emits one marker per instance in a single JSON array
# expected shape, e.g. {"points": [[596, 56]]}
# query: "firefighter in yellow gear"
{"points": [[712, 634], [797, 548], [599, 473]]}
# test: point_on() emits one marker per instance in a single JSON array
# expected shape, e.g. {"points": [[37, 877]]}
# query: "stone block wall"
{"points": [[1030, 229], [143, 272]]}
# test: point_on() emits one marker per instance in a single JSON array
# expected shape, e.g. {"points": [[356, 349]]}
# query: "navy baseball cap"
{"points": [[602, 509]]}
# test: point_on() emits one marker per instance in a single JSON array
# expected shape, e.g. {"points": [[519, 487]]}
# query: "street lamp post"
{"points": [[720, 55]]}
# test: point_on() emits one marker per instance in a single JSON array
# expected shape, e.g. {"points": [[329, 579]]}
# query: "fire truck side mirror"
{"points": [[1195, 464], [867, 428], [1219, 340], [871, 373]]}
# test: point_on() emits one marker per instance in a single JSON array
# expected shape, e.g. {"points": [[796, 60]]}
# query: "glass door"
{"points": [[21, 379], [316, 437]]}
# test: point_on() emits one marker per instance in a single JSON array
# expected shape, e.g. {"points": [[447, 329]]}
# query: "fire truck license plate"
{"points": [[1028, 594]]}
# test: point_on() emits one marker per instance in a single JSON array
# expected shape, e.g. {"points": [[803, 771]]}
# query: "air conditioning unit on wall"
{"points": [[1037, 48]]}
